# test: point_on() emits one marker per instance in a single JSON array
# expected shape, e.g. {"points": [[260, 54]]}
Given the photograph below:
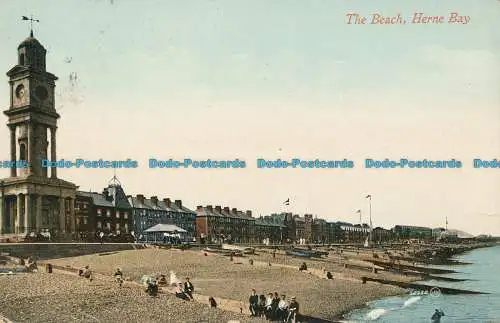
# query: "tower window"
{"points": [[21, 59], [22, 153]]}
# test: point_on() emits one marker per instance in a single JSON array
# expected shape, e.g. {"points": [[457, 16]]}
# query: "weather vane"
{"points": [[31, 20]]}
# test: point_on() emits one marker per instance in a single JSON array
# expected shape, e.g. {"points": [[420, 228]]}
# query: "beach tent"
{"points": [[166, 229]]}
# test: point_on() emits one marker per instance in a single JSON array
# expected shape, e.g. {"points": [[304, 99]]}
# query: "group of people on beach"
{"points": [[273, 307]]}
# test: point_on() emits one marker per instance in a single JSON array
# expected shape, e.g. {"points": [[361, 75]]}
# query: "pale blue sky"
{"points": [[226, 79]]}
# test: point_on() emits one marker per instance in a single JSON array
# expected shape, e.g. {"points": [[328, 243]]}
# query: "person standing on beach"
{"points": [[293, 310], [282, 308], [269, 306], [262, 305], [436, 317], [254, 303]]}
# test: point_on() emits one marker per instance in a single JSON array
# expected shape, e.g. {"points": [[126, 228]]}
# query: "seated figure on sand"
{"points": [[152, 287], [118, 276], [85, 273], [31, 266], [179, 292], [174, 281], [188, 288], [212, 302], [162, 280], [303, 267]]}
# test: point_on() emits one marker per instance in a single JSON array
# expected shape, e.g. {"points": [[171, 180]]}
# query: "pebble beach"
{"points": [[61, 297], [65, 297]]}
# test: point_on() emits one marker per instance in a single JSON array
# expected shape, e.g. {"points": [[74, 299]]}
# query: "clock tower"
{"points": [[31, 200], [32, 111]]}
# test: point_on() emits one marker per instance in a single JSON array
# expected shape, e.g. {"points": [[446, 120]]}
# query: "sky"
{"points": [[258, 79]]}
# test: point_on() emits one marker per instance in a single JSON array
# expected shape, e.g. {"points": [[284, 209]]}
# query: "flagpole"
{"points": [[369, 197]]}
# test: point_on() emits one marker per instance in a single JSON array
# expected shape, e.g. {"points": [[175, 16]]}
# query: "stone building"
{"points": [[303, 227], [147, 213], [31, 200], [319, 230]]}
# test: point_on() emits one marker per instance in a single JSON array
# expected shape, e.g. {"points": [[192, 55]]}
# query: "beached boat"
{"points": [[301, 254], [223, 251], [312, 253], [245, 250]]}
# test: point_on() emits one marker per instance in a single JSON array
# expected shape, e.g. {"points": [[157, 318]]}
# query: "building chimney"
{"points": [[178, 203], [234, 210], [199, 208], [154, 200], [249, 213], [226, 209], [140, 198], [167, 202], [218, 209], [209, 208]]}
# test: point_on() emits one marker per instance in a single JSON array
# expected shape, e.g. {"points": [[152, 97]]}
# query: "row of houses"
{"points": [[112, 211]]}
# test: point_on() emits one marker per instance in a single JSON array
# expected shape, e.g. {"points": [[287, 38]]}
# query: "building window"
{"points": [[125, 215], [22, 152], [108, 213], [84, 220], [21, 59], [117, 214], [117, 227], [126, 228], [99, 224], [108, 225], [99, 212], [85, 205]]}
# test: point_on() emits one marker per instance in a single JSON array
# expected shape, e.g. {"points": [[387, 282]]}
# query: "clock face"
{"points": [[41, 92], [20, 91]]}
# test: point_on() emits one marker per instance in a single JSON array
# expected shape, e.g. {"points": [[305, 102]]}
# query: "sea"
{"points": [[484, 275]]}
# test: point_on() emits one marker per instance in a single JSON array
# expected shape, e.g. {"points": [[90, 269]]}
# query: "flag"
{"points": [[25, 18], [287, 202], [358, 211], [368, 196]]}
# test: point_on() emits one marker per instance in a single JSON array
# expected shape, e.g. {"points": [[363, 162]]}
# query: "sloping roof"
{"points": [[119, 198], [165, 228], [150, 205], [224, 213], [97, 198]]}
